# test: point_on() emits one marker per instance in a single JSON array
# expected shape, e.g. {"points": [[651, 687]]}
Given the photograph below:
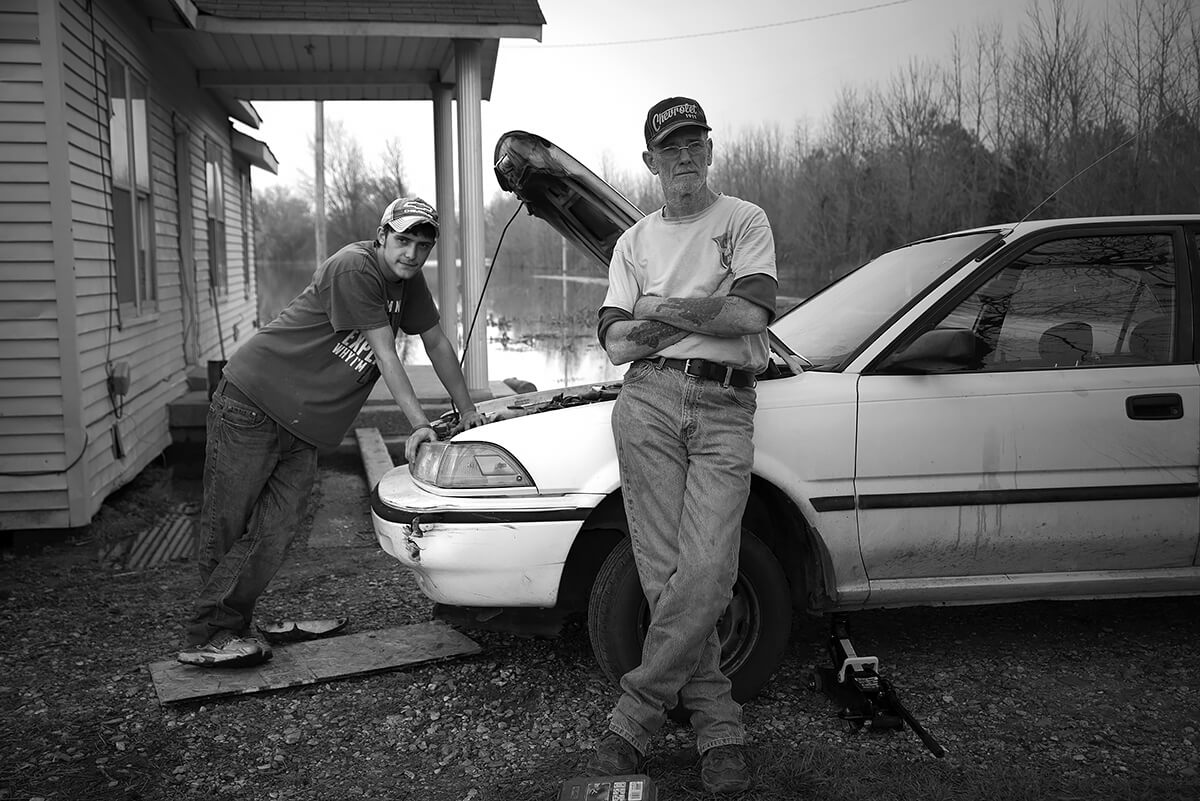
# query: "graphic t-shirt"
{"points": [[311, 368], [697, 256]]}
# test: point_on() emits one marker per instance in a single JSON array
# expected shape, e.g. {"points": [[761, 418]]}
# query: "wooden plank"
{"points": [[30, 466], [19, 31], [35, 233], [30, 407], [14, 330], [11, 389], [315, 661], [32, 424], [12, 132], [36, 445], [25, 152], [20, 92], [375, 456], [28, 366], [27, 251], [23, 210], [42, 517], [19, 294], [29, 72], [25, 113]]}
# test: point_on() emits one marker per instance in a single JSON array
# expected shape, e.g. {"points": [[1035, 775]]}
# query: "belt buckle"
{"points": [[687, 368]]}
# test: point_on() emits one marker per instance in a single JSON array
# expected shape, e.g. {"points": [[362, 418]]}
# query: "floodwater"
{"points": [[542, 329], [541, 325]]}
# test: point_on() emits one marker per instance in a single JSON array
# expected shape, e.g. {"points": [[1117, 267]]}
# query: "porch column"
{"points": [[447, 245], [467, 62]]}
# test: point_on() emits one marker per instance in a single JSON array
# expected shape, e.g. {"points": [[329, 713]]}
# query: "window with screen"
{"points": [[214, 179], [132, 196]]}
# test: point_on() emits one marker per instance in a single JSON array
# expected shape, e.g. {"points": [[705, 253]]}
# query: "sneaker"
{"points": [[724, 769], [224, 649], [614, 756], [261, 642]]}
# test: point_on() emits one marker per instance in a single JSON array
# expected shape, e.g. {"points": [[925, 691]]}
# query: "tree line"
{"points": [[1072, 115], [355, 194]]}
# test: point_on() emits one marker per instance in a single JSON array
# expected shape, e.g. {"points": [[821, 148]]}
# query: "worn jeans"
{"points": [[257, 480], [685, 448]]}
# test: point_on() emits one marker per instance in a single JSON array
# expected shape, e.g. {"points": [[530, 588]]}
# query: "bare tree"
{"points": [[912, 111], [390, 183]]}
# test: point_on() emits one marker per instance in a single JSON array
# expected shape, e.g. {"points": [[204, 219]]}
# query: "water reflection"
{"points": [[553, 354], [542, 329], [541, 324]]}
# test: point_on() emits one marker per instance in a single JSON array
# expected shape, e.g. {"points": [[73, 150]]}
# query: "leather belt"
{"points": [[230, 391], [701, 368]]}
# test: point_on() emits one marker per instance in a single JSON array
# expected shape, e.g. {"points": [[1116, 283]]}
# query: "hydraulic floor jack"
{"points": [[864, 698]]}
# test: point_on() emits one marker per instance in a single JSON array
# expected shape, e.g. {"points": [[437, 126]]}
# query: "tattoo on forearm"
{"points": [[651, 333], [694, 310]]}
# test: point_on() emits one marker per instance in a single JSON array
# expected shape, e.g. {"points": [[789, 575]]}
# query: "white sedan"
{"points": [[1003, 414]]}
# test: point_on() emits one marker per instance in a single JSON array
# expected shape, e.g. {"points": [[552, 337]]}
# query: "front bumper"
{"points": [[482, 551]]}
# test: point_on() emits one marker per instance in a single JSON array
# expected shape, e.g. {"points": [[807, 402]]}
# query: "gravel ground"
{"points": [[1070, 700]]}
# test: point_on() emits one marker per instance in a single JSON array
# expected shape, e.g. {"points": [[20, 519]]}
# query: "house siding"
{"points": [[33, 432], [60, 324]]}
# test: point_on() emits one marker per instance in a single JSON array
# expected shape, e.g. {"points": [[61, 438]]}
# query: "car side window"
{"points": [[1076, 302]]}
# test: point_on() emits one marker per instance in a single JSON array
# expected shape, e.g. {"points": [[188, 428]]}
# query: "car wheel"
{"points": [[754, 629]]}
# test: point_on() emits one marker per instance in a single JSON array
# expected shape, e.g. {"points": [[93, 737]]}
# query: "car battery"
{"points": [[630, 787]]}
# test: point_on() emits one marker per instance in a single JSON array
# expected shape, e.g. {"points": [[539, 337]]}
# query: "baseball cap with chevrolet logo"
{"points": [[670, 115], [405, 212]]}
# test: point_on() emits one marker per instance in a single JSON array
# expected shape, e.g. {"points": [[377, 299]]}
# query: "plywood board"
{"points": [[375, 456], [315, 661]]}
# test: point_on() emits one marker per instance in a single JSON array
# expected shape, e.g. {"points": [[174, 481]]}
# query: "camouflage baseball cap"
{"points": [[405, 212]]}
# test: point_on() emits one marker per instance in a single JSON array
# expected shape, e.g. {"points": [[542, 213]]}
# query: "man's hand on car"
{"points": [[416, 439], [470, 419]]}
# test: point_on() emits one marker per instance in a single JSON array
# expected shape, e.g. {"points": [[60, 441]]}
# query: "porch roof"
{"points": [[245, 50]]}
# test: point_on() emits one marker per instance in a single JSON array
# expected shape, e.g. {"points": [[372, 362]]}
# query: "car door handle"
{"points": [[1165, 406]]}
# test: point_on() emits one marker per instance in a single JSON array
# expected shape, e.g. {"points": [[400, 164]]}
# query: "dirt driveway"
{"points": [[1066, 700]]}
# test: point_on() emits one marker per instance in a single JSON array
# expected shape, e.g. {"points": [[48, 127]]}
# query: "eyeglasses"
{"points": [[672, 152]]}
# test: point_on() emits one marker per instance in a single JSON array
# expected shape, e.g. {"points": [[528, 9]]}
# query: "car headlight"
{"points": [[468, 465]]}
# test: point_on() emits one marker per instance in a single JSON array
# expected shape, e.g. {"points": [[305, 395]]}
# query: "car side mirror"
{"points": [[940, 350]]}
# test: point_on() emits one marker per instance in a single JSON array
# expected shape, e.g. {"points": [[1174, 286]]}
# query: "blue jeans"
{"points": [[257, 479], [685, 448]]}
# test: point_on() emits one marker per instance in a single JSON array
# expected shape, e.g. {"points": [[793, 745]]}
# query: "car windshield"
{"points": [[836, 322]]}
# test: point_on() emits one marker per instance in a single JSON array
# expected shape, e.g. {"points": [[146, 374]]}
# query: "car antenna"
{"points": [[487, 277], [1120, 145]]}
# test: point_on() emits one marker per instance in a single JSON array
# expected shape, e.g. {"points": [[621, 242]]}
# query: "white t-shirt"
{"points": [[698, 256]]}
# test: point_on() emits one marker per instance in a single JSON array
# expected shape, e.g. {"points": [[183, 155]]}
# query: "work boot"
{"points": [[614, 756], [224, 649], [725, 769]]}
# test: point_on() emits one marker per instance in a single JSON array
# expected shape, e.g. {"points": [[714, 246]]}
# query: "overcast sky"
{"points": [[600, 65]]}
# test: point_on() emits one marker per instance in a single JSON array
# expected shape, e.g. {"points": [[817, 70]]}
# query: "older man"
{"points": [[691, 291]]}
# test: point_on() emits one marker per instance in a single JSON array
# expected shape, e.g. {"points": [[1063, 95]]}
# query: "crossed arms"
{"points": [[659, 322]]}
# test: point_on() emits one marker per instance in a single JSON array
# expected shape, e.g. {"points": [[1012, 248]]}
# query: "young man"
{"points": [[691, 291], [297, 386]]}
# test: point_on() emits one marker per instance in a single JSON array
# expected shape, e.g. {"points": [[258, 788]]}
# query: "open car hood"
{"points": [[560, 190]]}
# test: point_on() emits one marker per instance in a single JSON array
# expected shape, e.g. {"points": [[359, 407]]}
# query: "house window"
{"points": [[247, 227], [214, 179], [132, 200]]}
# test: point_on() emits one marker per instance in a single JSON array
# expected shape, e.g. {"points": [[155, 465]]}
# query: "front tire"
{"points": [[754, 628]]}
